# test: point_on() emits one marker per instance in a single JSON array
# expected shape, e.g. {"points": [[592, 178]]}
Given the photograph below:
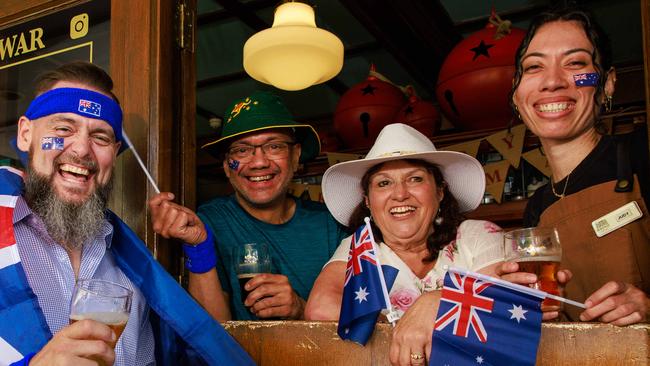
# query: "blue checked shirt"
{"points": [[51, 277]]}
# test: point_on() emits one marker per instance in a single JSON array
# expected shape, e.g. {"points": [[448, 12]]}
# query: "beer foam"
{"points": [[551, 258]]}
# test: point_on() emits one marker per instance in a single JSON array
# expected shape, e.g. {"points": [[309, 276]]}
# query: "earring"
{"points": [[608, 103], [438, 220], [517, 110]]}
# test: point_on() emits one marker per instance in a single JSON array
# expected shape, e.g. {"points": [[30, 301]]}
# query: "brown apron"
{"points": [[622, 255]]}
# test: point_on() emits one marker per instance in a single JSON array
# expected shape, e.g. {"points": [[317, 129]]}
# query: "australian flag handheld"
{"points": [[486, 321], [363, 294]]}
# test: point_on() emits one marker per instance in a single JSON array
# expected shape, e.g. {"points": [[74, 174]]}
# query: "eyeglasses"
{"points": [[272, 150]]}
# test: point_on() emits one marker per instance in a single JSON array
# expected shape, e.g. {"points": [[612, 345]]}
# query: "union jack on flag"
{"points": [[465, 294], [504, 319], [89, 107], [361, 248]]}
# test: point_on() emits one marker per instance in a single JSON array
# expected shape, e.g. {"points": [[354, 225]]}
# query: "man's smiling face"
{"points": [[86, 160], [262, 181]]}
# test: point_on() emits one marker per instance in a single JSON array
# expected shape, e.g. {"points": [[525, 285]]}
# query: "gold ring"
{"points": [[416, 356]]}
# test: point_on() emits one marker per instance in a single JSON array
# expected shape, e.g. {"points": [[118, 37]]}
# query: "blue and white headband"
{"points": [[83, 102]]}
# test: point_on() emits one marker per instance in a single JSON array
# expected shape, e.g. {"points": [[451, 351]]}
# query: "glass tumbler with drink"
{"points": [[102, 301], [251, 259], [537, 250]]}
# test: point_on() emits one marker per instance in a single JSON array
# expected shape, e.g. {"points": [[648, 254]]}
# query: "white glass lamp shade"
{"points": [[293, 54]]}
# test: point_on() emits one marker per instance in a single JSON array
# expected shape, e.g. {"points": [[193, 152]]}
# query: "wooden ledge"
{"points": [[316, 343]]}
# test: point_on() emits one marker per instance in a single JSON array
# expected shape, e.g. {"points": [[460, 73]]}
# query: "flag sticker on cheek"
{"points": [[52, 143], [586, 79], [233, 164]]}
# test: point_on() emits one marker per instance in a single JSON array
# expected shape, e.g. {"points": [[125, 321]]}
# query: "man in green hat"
{"points": [[261, 146]]}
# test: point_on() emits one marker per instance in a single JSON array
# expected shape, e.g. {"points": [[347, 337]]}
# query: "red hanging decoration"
{"points": [[476, 77], [329, 142], [365, 109], [420, 114]]}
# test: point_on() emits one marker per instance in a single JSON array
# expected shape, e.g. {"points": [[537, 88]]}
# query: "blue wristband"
{"points": [[202, 257], [24, 361]]}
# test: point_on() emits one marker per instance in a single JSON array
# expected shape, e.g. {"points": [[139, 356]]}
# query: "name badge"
{"points": [[616, 219]]}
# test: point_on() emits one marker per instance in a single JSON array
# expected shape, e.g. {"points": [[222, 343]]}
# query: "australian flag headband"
{"points": [[84, 102]]}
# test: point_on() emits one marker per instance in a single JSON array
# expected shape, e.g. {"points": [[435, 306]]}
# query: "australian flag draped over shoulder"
{"points": [[175, 314], [23, 328], [363, 296], [486, 321]]}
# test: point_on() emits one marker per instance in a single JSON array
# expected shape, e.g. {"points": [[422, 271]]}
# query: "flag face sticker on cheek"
{"points": [[52, 143], [233, 164], [586, 79]]}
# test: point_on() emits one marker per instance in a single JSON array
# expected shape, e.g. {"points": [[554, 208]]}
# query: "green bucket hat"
{"points": [[262, 111]]}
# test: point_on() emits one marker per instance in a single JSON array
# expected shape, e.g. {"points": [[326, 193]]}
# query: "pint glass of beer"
{"points": [[102, 301], [537, 250], [251, 259]]}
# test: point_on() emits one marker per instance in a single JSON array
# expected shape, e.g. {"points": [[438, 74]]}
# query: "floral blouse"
{"points": [[478, 244]]}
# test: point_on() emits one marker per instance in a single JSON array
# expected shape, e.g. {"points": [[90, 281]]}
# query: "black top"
{"points": [[598, 167]]}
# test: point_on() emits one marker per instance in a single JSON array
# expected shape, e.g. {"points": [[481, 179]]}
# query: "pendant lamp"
{"points": [[293, 54]]}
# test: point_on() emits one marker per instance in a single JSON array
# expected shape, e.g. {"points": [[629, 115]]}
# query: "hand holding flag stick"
{"points": [[137, 157], [517, 287]]}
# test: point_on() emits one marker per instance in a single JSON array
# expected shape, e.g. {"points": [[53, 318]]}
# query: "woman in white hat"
{"points": [[415, 196]]}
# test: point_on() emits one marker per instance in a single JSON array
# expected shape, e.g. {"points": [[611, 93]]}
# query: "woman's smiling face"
{"points": [[403, 199], [550, 103]]}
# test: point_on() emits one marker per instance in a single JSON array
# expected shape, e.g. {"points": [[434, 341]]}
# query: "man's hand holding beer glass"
{"points": [[532, 257], [267, 295], [76, 344], [99, 311]]}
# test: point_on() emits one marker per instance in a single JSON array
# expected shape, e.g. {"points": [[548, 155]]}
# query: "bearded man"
{"points": [[63, 232]]}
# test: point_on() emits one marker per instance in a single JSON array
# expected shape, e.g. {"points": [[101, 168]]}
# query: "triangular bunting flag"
{"points": [[315, 193], [509, 144], [296, 189], [470, 148], [335, 158], [538, 160], [495, 178]]}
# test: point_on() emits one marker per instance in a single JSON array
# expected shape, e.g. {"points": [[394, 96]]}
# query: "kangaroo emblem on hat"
{"points": [[239, 107]]}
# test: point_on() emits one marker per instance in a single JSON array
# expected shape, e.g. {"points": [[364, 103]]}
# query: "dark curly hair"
{"points": [[443, 233], [601, 56]]}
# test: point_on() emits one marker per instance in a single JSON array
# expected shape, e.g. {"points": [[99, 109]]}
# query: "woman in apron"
{"points": [[597, 194]]}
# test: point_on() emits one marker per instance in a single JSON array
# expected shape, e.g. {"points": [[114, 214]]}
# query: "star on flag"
{"points": [[362, 294], [517, 312]]}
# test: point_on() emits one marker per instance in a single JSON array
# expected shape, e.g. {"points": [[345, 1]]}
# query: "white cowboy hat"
{"points": [[341, 184]]}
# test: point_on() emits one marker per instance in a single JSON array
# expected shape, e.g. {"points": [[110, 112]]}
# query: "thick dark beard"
{"points": [[69, 224]]}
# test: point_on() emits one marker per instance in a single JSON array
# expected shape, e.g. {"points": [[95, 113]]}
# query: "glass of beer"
{"points": [[251, 259], [102, 301], [537, 250]]}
